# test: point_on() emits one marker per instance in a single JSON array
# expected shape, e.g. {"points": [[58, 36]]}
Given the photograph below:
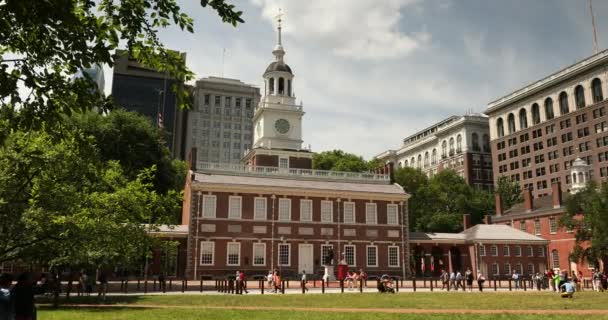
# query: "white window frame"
{"points": [[508, 269], [228, 245], [354, 254], [309, 213], [369, 214], [540, 251], [288, 254], [327, 217], [518, 252], [323, 251], [354, 219], [287, 217], [283, 159], [235, 213], [367, 256], [529, 251], [537, 227], [206, 199], [482, 250], [506, 251], [202, 243], [494, 250], [528, 268], [392, 217], [258, 213], [554, 265], [552, 225], [389, 256], [497, 272], [259, 245]]}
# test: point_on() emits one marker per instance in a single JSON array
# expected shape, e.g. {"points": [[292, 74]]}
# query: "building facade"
{"points": [[149, 92], [538, 131], [220, 122], [460, 143]]}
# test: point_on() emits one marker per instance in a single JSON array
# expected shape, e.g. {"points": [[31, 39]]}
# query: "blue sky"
{"points": [[371, 72]]}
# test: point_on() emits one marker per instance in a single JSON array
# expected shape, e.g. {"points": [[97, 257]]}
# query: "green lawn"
{"points": [[193, 306]]}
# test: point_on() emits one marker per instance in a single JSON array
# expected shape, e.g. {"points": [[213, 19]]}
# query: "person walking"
{"points": [[277, 281], [515, 278], [363, 277], [270, 278], [6, 305], [556, 281], [459, 282], [452, 282], [23, 298], [303, 280], [102, 278], [480, 280], [468, 276], [243, 282], [445, 278]]}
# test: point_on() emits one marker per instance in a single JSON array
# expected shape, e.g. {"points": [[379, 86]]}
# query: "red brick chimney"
{"points": [[499, 207], [556, 192], [466, 221], [528, 200]]}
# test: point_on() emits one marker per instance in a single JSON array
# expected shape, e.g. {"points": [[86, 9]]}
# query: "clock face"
{"points": [[282, 126]]}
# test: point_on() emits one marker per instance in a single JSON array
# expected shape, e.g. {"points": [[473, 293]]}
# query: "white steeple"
{"points": [[579, 175], [278, 51]]}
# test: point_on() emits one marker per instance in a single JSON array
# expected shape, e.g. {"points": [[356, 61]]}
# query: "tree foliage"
{"points": [[338, 160], [587, 215], [510, 192], [43, 43]]}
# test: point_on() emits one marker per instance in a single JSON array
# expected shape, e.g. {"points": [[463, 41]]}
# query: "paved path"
{"points": [[350, 310]]}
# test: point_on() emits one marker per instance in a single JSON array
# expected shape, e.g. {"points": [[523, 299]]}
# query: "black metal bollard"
{"points": [[262, 286], [341, 286], [361, 285], [525, 284], [154, 285], [146, 286], [322, 286], [283, 287], [431, 285], [303, 285], [494, 284], [184, 284], [424, 283], [138, 281], [510, 288], [397, 285], [464, 285], [201, 284], [414, 284]]}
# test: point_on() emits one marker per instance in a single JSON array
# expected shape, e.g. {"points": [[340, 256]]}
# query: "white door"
{"points": [[305, 258]]}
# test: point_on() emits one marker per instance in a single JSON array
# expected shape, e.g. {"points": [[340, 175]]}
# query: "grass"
{"points": [[430, 301]]}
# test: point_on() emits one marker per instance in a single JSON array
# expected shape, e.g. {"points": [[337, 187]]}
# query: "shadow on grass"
{"points": [[91, 300]]}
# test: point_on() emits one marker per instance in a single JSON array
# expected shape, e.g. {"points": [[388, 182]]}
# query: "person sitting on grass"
{"points": [[385, 284], [568, 289]]}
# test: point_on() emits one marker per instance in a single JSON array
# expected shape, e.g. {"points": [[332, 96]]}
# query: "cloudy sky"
{"points": [[371, 72]]}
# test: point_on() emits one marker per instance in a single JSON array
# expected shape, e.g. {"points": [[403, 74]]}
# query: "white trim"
{"points": [[518, 252], [482, 250], [494, 250], [506, 251], [389, 256], [228, 245], [200, 260], [354, 264], [213, 214], [529, 249], [309, 213], [288, 201], [231, 207], [367, 255], [507, 265], [288, 255], [396, 212], [256, 214], [354, 212], [497, 273], [368, 213], [258, 244], [328, 204]]}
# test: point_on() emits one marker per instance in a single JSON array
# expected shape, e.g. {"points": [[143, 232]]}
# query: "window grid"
{"points": [[505, 251], [507, 268], [284, 256], [555, 259], [349, 255], [234, 212], [327, 212], [537, 227], [392, 214], [324, 249], [261, 208], [209, 206], [522, 225], [284, 209], [259, 254], [495, 270], [233, 254], [530, 251], [541, 251], [530, 268], [393, 256], [372, 256], [482, 250], [552, 225], [349, 212], [305, 210], [371, 216], [207, 253], [517, 251], [493, 250]]}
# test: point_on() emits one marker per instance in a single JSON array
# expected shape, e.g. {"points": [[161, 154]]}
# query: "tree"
{"points": [[587, 214], [414, 182], [43, 43], [510, 192], [338, 160]]}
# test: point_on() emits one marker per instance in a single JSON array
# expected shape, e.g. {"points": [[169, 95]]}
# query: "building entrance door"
{"points": [[305, 260]]}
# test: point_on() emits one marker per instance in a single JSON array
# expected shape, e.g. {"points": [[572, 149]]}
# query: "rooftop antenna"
{"points": [[595, 48]]}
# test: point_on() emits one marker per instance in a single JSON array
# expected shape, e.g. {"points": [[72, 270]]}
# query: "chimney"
{"points": [[556, 191], [466, 221], [528, 200], [487, 219], [498, 203]]}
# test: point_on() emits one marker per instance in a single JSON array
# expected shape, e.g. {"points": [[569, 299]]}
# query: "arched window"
{"points": [[563, 103], [500, 127], [523, 119], [554, 259], [281, 85], [413, 162], [434, 157], [444, 149], [419, 161], [426, 159], [451, 146], [475, 141], [511, 123], [400, 165], [406, 163], [549, 109], [459, 143], [535, 114], [579, 96], [486, 143], [289, 88], [596, 88], [271, 85]]}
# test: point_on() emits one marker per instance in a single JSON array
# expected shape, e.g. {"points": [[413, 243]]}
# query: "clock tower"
{"points": [[277, 122]]}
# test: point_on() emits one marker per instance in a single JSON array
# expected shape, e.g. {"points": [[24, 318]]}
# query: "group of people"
{"points": [[354, 279], [456, 280], [274, 280]]}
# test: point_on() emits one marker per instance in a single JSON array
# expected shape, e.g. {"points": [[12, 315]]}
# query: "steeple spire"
{"points": [[278, 49]]}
